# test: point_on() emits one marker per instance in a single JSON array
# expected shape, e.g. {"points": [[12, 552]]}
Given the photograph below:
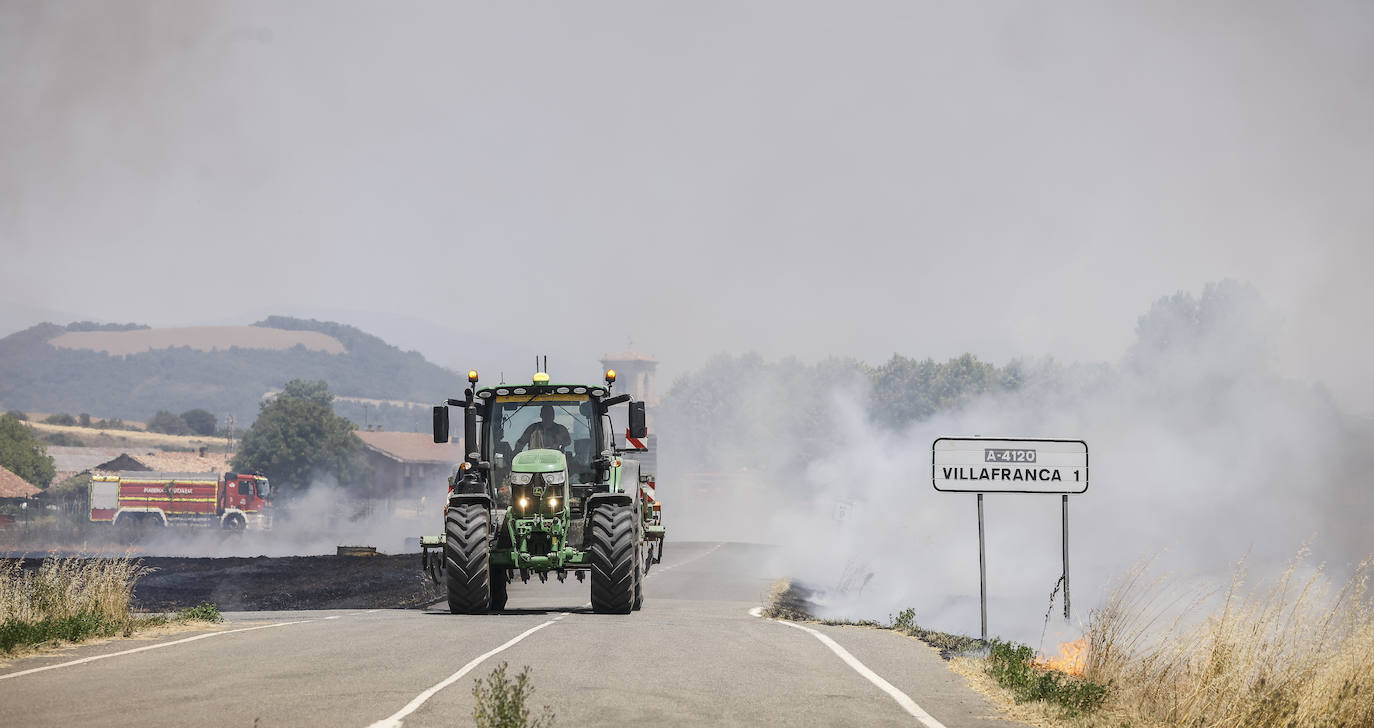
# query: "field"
{"points": [[95, 437], [201, 338]]}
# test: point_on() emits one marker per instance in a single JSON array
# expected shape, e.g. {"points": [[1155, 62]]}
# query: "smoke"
{"points": [[315, 521], [1201, 454]]}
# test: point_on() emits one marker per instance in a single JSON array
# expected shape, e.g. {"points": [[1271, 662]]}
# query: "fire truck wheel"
{"points": [[466, 563], [234, 523], [613, 559], [498, 589], [126, 528]]}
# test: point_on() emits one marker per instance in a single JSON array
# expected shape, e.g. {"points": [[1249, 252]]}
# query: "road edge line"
{"points": [[904, 700], [145, 648], [394, 720]]}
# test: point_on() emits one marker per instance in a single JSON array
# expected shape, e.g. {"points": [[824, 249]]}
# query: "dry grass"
{"points": [[1293, 652], [65, 599]]}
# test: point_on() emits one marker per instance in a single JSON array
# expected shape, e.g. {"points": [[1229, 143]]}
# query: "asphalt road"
{"points": [[694, 655]]}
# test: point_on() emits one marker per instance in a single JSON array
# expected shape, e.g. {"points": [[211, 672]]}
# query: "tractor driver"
{"points": [[545, 433]]}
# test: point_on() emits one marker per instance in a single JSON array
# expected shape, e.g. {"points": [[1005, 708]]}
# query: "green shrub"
{"points": [[1012, 666], [203, 612], [61, 418], [168, 423], [74, 628], [500, 702], [16, 414], [61, 439]]}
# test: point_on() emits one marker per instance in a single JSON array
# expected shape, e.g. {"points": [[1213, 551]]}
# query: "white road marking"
{"points": [[902, 698], [704, 554], [145, 648], [394, 720]]}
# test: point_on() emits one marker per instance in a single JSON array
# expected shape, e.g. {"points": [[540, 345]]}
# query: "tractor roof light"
{"points": [[541, 378], [610, 376], [472, 376]]}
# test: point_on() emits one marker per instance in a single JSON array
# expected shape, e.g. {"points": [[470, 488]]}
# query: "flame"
{"points": [[1072, 657]]}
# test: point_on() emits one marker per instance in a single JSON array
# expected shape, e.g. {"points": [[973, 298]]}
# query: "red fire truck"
{"points": [[135, 500]]}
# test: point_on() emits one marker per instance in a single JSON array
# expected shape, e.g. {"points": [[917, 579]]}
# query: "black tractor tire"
{"points": [[639, 585], [467, 563], [641, 567], [614, 558], [498, 590]]}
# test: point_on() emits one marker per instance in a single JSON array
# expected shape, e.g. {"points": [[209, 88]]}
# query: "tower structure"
{"points": [[634, 373]]}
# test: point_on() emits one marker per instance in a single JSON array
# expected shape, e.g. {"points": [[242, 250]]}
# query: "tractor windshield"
{"points": [[553, 422]]}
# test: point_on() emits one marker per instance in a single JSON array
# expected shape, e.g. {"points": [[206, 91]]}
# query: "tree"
{"points": [[168, 423], [23, 453], [200, 421], [297, 438], [61, 418]]}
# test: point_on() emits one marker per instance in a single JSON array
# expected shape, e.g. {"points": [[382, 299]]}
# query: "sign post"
{"points": [[1010, 465], [982, 572]]}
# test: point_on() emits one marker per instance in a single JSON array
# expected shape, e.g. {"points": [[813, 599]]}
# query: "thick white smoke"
{"points": [[1200, 455]]}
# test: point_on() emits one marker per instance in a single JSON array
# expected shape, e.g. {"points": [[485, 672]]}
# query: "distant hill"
{"points": [[225, 370]]}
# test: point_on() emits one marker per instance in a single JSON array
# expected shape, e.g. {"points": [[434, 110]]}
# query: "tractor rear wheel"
{"points": [[613, 558], [466, 559], [639, 584], [641, 568]]}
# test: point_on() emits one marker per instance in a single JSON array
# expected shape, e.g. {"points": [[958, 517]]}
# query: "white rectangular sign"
{"points": [[1009, 465]]}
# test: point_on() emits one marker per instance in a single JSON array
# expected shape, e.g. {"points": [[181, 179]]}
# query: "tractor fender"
{"points": [[458, 499], [615, 499]]}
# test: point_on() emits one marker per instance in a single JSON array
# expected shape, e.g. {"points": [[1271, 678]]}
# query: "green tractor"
{"points": [[544, 488]]}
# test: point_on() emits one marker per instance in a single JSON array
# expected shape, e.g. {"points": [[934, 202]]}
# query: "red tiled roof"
{"points": [[13, 486], [415, 447]]}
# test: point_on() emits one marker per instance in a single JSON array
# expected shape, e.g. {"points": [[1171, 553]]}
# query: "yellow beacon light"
{"points": [[541, 378], [472, 376], [610, 375]]}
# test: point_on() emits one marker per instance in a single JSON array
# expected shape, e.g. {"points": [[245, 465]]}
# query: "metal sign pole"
{"points": [[1064, 512], [982, 571]]}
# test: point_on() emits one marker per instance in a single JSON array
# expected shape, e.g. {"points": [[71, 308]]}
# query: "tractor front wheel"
{"points": [[466, 559], [614, 561]]}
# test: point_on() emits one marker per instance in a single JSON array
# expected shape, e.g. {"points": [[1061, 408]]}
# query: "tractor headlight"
{"points": [[520, 478], [524, 503], [553, 502], [554, 478]]}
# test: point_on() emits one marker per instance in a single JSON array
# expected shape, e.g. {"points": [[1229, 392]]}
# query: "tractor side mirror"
{"points": [[470, 429], [638, 428], [441, 423]]}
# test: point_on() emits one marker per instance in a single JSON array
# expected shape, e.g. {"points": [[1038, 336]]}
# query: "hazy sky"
{"points": [[791, 178]]}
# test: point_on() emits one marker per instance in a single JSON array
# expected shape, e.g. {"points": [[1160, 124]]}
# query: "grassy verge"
{"points": [[71, 600], [791, 601], [1293, 652]]}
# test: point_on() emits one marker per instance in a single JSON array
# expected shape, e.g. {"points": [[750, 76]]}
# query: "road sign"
{"points": [[1009, 465]]}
